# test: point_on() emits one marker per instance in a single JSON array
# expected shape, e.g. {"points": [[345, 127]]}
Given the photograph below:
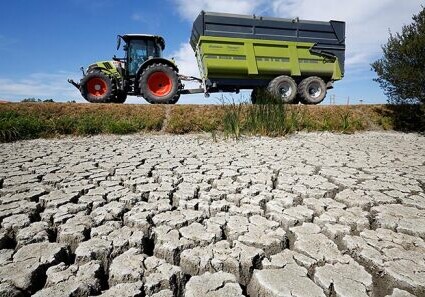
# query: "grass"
{"points": [[232, 118], [276, 119], [34, 120], [195, 118], [271, 118]]}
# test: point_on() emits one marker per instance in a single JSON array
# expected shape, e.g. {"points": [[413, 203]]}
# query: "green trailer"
{"points": [[293, 59]]}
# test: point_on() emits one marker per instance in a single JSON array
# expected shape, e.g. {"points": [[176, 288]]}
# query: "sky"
{"points": [[45, 42]]}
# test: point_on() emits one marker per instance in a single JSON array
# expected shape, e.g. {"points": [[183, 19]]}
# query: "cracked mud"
{"points": [[144, 215]]}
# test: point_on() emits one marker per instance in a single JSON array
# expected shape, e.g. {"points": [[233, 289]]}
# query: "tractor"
{"points": [[142, 72]]}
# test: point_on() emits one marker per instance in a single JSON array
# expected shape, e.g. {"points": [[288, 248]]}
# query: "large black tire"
{"points": [[312, 90], [97, 87], [159, 84], [283, 88]]}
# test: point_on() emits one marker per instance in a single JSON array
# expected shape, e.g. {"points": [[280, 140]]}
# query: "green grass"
{"points": [[267, 119], [271, 118], [34, 120], [194, 118], [232, 119], [27, 121]]}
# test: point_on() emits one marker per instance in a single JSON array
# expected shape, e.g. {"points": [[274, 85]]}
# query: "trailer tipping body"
{"points": [[242, 52]]}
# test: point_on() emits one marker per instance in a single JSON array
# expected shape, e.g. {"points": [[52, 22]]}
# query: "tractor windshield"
{"points": [[139, 51]]}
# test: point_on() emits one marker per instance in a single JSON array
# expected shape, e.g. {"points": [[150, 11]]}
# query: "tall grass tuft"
{"points": [[232, 117], [267, 117]]}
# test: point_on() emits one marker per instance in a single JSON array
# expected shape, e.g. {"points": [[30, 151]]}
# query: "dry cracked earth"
{"points": [[143, 215]]}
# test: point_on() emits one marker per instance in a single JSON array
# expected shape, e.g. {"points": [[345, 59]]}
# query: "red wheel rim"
{"points": [[97, 87], [160, 84]]}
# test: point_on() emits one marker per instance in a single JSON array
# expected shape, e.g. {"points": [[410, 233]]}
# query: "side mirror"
{"points": [[118, 42], [125, 47]]}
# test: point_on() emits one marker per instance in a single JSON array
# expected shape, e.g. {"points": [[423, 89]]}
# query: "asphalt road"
{"points": [[308, 215]]}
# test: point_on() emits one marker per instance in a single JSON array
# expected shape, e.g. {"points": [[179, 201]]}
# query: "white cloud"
{"points": [[136, 17], [189, 9], [41, 85]]}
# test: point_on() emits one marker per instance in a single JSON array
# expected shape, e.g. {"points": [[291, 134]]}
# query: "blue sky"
{"points": [[43, 42]]}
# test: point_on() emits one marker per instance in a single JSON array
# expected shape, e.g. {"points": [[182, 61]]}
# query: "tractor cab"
{"points": [[138, 49]]}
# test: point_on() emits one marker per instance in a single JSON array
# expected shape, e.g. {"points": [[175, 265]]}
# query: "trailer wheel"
{"points": [[283, 88], [97, 87], [159, 84], [312, 90]]}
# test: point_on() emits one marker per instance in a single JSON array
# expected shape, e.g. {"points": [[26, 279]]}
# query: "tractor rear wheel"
{"points": [[283, 88], [312, 90], [159, 84], [97, 87]]}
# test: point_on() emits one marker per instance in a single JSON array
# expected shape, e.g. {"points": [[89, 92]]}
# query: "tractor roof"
{"points": [[158, 39]]}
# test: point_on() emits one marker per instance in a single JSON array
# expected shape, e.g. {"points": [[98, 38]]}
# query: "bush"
{"points": [[400, 71]]}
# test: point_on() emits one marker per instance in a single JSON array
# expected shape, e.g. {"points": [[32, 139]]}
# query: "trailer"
{"points": [[291, 58]]}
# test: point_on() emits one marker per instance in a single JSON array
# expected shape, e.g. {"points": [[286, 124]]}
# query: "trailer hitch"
{"points": [[74, 83]]}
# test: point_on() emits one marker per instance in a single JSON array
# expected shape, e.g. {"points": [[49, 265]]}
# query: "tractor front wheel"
{"points": [[97, 87], [159, 84]]}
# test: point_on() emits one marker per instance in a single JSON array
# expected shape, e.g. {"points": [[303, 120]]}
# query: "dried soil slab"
{"points": [[292, 280], [31, 262], [404, 219], [239, 260], [399, 256], [213, 285]]}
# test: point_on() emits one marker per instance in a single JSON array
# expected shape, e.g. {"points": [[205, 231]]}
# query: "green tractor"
{"points": [[142, 72]]}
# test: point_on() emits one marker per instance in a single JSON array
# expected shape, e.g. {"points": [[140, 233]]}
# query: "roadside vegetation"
{"points": [[35, 120], [231, 120]]}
